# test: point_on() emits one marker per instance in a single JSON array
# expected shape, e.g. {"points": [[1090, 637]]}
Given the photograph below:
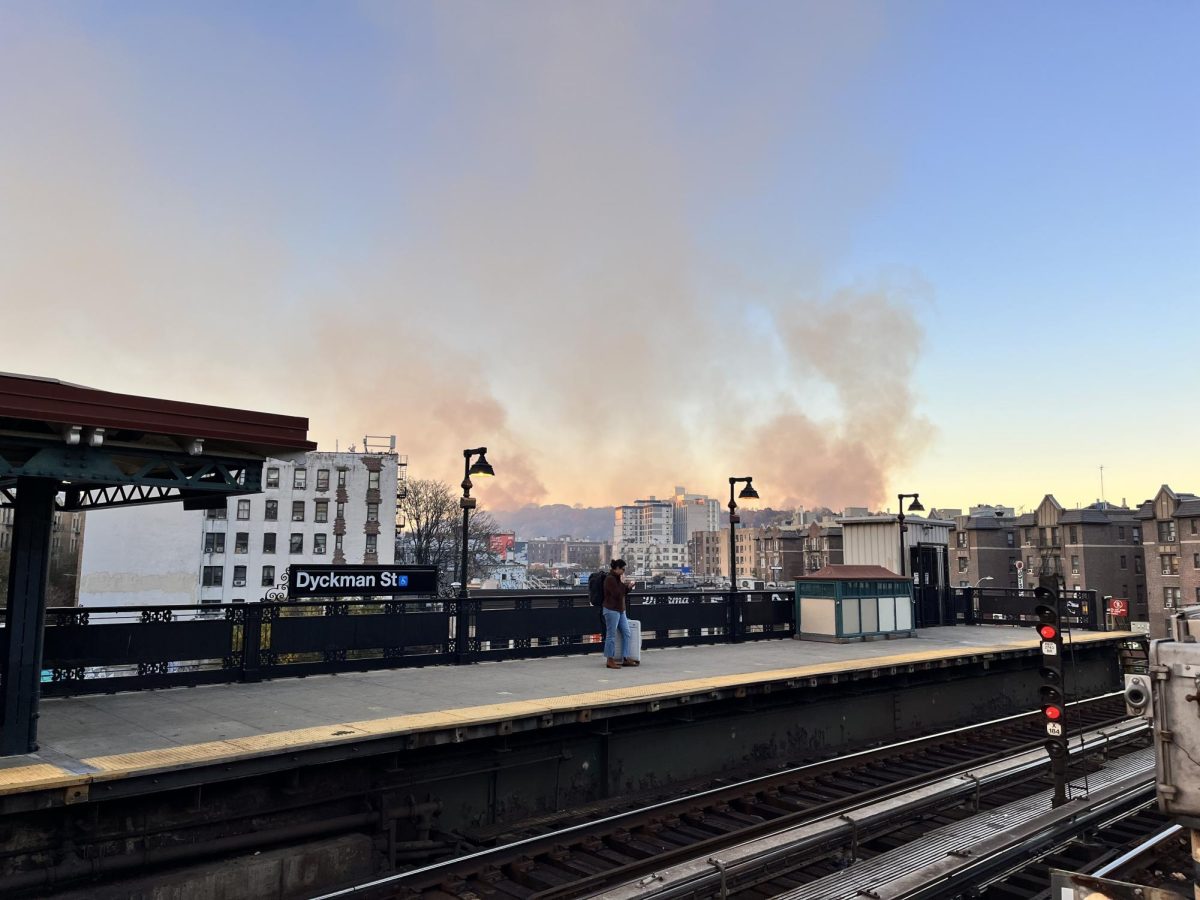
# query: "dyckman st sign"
{"points": [[306, 581]]}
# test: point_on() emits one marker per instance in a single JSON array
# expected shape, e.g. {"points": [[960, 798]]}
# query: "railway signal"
{"points": [[1053, 703]]}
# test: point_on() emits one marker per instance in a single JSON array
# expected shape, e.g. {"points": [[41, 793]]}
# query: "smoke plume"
{"points": [[551, 253]]}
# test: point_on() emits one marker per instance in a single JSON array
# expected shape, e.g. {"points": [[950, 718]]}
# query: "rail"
{"points": [[1013, 606], [120, 648]]}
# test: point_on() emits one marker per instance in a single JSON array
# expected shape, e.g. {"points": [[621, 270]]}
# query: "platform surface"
{"points": [[97, 737]]}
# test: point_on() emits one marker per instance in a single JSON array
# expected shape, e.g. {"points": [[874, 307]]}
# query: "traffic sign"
{"points": [[1118, 607]]}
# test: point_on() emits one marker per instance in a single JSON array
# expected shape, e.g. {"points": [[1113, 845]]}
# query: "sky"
{"points": [[850, 249]]}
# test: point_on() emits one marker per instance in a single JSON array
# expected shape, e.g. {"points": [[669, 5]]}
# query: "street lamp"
{"points": [[748, 493], [483, 469], [914, 507], [983, 579]]}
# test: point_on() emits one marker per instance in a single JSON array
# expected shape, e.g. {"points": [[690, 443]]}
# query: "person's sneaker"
{"points": [[612, 664], [631, 662]]}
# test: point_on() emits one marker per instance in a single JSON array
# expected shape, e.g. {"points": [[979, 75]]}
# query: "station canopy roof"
{"points": [[109, 449]]}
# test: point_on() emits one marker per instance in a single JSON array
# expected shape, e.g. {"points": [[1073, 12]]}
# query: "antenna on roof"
{"points": [[1102, 485]]}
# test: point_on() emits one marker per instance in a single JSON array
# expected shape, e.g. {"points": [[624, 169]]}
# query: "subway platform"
{"points": [[90, 743]]}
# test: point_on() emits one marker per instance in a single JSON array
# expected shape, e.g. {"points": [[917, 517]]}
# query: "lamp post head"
{"points": [[481, 466], [748, 492], [916, 506]]}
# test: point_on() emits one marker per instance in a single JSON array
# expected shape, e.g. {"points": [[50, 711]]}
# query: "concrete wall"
{"points": [[140, 555]]}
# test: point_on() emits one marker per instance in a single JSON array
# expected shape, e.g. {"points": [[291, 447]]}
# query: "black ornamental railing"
{"points": [[121, 648], [1012, 606]]}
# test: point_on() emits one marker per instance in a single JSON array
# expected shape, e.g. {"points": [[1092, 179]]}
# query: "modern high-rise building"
{"points": [[644, 536], [693, 513]]}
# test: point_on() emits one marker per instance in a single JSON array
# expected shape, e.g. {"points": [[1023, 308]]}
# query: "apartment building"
{"points": [[694, 513], [1096, 548], [644, 536], [704, 553], [66, 552], [822, 546], [319, 508], [984, 548], [568, 551], [769, 553], [1170, 536]]}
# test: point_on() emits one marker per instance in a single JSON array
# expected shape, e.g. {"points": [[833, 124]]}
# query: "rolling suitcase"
{"points": [[634, 650]]}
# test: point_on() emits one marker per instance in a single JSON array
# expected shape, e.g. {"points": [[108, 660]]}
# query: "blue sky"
{"points": [[856, 248]]}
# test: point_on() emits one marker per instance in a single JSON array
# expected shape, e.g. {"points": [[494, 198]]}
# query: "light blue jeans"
{"points": [[613, 621]]}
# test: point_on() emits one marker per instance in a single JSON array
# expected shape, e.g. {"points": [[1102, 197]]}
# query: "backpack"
{"points": [[596, 588]]}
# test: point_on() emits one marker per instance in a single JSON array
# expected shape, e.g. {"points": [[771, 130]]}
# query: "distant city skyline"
{"points": [[851, 249]]}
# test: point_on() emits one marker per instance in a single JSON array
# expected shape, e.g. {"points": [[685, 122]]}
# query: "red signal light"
{"points": [[1048, 632], [1053, 713]]}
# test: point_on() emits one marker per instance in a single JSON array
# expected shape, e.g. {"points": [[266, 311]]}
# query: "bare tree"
{"points": [[432, 533]]}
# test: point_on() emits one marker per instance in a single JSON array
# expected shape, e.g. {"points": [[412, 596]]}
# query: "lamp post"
{"points": [[915, 506], [480, 468], [747, 493], [982, 580]]}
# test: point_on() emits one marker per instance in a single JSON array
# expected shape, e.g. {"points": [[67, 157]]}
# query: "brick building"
{"points": [[704, 553], [568, 551], [822, 546], [771, 553], [1096, 548], [984, 550], [1170, 534]]}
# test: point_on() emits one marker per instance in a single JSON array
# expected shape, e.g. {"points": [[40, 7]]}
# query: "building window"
{"points": [[1137, 565], [269, 542], [321, 511], [341, 510], [372, 481], [1170, 597], [272, 513], [1074, 565], [241, 542], [1054, 537], [372, 512], [1029, 536], [1010, 538], [1166, 532], [1196, 560], [337, 544], [213, 576], [268, 575], [243, 509], [319, 544], [1193, 526], [1168, 563], [322, 479], [372, 542], [1123, 563], [1121, 533], [1074, 535], [962, 564], [1137, 534], [239, 576], [272, 477], [296, 543], [962, 539], [299, 479], [341, 478], [218, 513], [297, 510], [214, 542]]}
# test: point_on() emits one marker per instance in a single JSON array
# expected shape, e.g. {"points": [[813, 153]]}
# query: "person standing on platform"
{"points": [[615, 591]]}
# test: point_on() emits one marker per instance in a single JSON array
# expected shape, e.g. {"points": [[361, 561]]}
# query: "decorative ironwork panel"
{"points": [[156, 615], [153, 668], [72, 617], [64, 675]]}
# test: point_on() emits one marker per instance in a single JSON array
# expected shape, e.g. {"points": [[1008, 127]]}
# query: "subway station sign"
{"points": [[305, 581]]}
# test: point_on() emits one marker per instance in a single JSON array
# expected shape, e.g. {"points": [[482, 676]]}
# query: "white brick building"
{"points": [[322, 507]]}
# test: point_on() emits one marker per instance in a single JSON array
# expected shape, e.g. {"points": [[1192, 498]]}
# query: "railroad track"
{"points": [[589, 859]]}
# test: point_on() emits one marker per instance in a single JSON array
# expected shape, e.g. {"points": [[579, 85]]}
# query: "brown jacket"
{"points": [[615, 591]]}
